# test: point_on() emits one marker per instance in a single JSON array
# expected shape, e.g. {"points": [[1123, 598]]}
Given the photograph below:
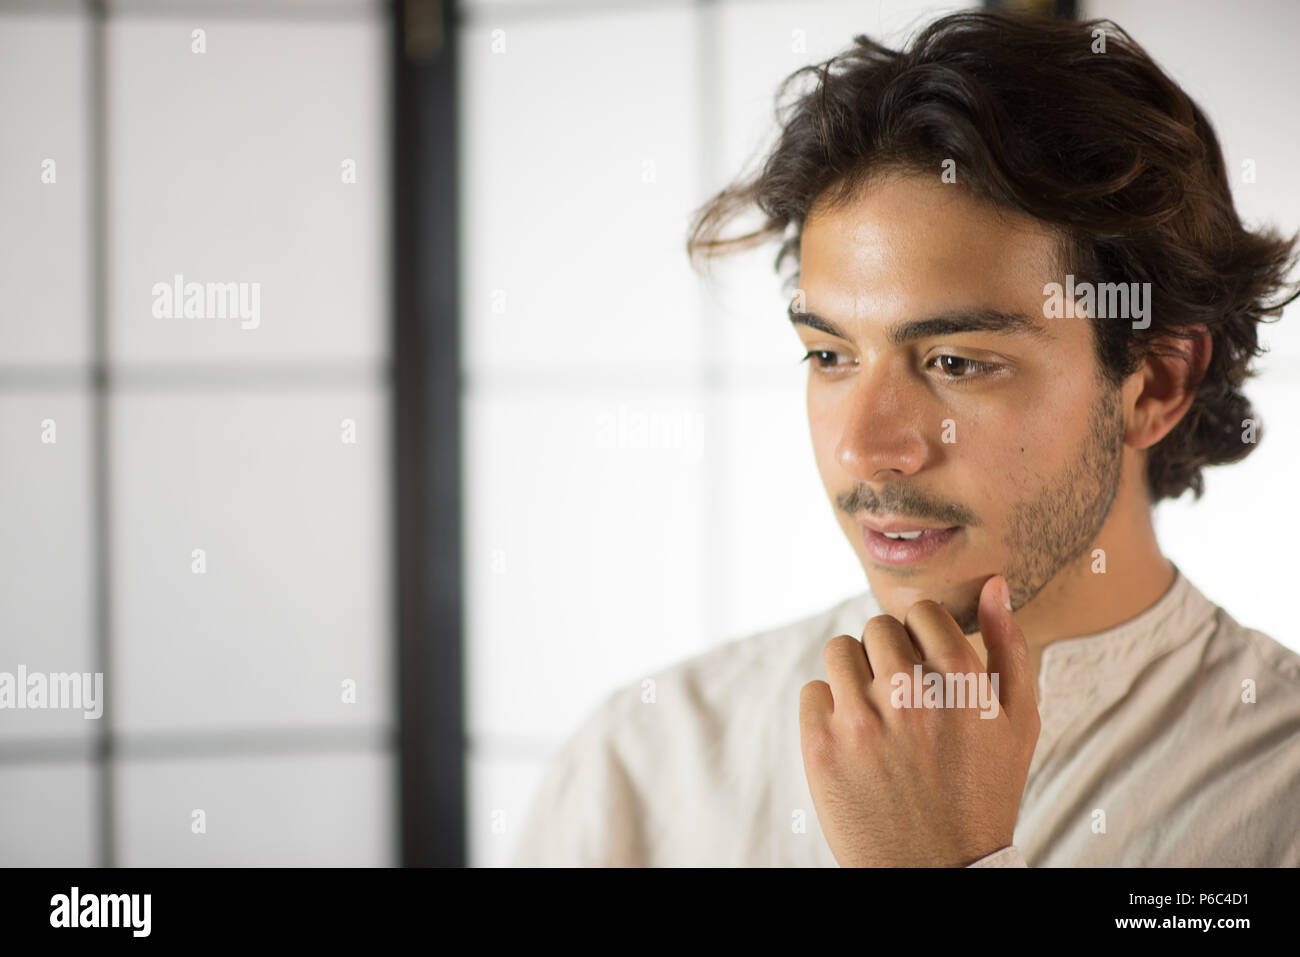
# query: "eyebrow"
{"points": [[943, 324]]}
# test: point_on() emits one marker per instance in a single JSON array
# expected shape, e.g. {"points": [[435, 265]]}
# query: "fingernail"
{"points": [[1006, 595]]}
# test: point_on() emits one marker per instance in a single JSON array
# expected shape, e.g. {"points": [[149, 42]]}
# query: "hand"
{"points": [[920, 786]]}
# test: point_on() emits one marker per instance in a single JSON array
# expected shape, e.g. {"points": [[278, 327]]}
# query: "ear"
{"points": [[1162, 389]]}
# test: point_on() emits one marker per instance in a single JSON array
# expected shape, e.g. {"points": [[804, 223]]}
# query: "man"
{"points": [[1028, 307]]}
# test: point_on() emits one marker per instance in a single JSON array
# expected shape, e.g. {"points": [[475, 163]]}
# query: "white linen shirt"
{"points": [[1150, 753]]}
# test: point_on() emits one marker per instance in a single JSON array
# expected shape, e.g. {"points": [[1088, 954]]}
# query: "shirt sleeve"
{"points": [[1009, 856], [587, 811]]}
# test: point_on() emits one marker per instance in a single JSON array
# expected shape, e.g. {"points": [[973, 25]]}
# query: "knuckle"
{"points": [[859, 724]]}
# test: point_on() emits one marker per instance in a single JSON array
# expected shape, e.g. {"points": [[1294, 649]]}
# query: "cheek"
{"points": [[1010, 457], [824, 431]]}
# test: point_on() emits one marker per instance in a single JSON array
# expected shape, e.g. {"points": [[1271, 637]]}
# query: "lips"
{"points": [[895, 525], [892, 551]]}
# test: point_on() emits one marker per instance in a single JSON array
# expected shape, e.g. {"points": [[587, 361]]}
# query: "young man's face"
{"points": [[995, 429]]}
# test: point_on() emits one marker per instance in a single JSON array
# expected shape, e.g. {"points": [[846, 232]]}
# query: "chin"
{"points": [[961, 600]]}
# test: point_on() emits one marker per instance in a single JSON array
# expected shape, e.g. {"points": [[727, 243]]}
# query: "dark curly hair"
{"points": [[1102, 147]]}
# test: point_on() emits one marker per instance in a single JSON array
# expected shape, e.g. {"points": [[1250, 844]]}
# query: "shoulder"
{"points": [[1273, 657], [1242, 733], [1204, 645], [1260, 659], [594, 797]]}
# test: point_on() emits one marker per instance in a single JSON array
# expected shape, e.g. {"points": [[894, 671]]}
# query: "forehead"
{"points": [[909, 244]]}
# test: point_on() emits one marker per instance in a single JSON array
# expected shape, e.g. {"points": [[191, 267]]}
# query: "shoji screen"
{"points": [[47, 574], [210, 528]]}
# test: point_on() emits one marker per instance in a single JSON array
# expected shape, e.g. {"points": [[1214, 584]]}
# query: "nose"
{"points": [[883, 437]]}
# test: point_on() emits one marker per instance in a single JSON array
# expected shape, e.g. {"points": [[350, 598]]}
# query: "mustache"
{"points": [[903, 501]]}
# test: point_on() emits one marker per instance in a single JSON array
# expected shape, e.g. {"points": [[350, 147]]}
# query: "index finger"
{"points": [[938, 636]]}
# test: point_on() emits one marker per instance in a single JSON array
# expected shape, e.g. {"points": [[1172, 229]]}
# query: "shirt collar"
{"points": [[1072, 665], [1081, 663]]}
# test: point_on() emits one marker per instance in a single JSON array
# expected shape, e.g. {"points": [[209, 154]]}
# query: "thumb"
{"points": [[1008, 653]]}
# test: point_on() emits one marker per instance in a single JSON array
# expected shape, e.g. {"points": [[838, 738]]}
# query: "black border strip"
{"points": [[427, 447]]}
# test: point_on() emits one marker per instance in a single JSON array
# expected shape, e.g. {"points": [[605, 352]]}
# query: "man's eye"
{"points": [[822, 358], [958, 367]]}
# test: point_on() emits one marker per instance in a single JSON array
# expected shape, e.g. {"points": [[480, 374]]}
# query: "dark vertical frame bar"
{"points": [[427, 448], [1066, 9], [101, 503]]}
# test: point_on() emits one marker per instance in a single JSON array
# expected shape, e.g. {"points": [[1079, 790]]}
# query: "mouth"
{"points": [[894, 543]]}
